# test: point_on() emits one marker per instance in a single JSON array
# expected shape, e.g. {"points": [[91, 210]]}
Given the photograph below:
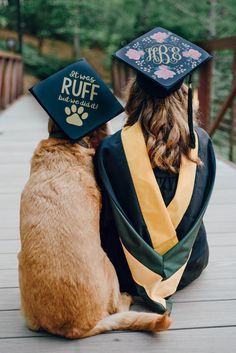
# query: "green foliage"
{"points": [[3, 45], [110, 23], [41, 66]]}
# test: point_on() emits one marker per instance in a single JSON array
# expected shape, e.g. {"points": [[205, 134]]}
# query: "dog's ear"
{"points": [[52, 127], [99, 134]]}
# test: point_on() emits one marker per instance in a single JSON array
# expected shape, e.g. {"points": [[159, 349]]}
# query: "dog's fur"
{"points": [[68, 285]]}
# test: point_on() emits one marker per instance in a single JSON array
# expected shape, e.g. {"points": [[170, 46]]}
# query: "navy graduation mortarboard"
{"points": [[162, 60], [77, 99], [163, 57]]}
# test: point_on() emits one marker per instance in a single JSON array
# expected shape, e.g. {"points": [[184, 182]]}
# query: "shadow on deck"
{"points": [[204, 314]]}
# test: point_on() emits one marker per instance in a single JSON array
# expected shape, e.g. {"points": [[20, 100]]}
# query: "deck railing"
{"points": [[11, 78], [204, 91]]}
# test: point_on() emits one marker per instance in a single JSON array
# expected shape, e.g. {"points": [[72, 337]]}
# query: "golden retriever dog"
{"points": [[68, 285]]}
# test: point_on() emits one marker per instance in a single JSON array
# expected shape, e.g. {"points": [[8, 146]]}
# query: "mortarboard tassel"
{"points": [[190, 114]]}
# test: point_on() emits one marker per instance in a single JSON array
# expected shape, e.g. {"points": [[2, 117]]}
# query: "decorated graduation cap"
{"points": [[77, 99], [162, 60]]}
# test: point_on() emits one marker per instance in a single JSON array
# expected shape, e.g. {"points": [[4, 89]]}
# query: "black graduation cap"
{"points": [[77, 99], [162, 60]]}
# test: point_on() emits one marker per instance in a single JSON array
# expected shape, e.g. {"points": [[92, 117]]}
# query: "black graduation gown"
{"points": [[112, 155]]}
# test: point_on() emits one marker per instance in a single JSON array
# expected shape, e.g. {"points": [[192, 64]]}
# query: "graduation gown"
{"points": [[161, 248]]}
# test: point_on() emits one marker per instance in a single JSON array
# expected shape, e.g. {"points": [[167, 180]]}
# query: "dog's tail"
{"points": [[131, 320]]}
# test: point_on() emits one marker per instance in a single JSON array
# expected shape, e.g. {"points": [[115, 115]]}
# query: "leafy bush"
{"points": [[3, 45], [41, 66]]}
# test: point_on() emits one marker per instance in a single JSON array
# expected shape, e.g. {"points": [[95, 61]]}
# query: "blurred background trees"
{"points": [[57, 32], [108, 24]]}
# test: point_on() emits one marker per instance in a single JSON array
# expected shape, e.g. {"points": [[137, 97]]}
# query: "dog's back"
{"points": [[61, 263], [68, 285]]}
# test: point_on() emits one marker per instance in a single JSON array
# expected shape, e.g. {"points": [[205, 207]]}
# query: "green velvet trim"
{"points": [[155, 306], [135, 244]]}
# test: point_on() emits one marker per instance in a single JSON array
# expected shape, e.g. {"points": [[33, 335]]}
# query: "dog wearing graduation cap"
{"points": [[68, 285]]}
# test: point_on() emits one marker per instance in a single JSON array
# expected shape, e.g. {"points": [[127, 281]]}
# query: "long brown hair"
{"points": [[164, 124]]}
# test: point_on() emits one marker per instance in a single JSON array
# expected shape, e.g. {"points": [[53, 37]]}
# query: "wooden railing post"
{"points": [[121, 74], [20, 78], [233, 114], [204, 94], [2, 65]]}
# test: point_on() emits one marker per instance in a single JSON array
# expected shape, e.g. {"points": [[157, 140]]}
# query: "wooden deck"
{"points": [[204, 314]]}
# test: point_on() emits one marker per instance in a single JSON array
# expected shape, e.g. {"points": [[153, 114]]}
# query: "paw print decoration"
{"points": [[75, 116]]}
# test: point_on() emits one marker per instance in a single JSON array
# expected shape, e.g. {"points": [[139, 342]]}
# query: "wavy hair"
{"points": [[164, 122]]}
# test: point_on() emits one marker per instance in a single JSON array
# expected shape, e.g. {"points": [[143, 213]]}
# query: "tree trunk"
{"points": [[40, 45], [76, 37], [76, 45], [212, 19]]}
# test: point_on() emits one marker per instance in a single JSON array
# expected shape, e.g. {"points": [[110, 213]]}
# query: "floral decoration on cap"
{"points": [[163, 56]]}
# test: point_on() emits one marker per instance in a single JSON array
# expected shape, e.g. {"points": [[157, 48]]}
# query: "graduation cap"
{"points": [[162, 60], [77, 99]]}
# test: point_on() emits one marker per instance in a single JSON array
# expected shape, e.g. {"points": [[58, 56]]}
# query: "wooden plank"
{"points": [[31, 136], [219, 270], [10, 201], [12, 246], [224, 168], [9, 299], [199, 290], [225, 183], [184, 315], [8, 184], [216, 228], [18, 158], [207, 290], [23, 146], [9, 261], [9, 246], [214, 271], [203, 314], [11, 188], [223, 212], [219, 226], [223, 196], [11, 233], [219, 239], [211, 340], [8, 278], [222, 242], [8, 220], [215, 225], [12, 325], [225, 218], [221, 223], [219, 254]]}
